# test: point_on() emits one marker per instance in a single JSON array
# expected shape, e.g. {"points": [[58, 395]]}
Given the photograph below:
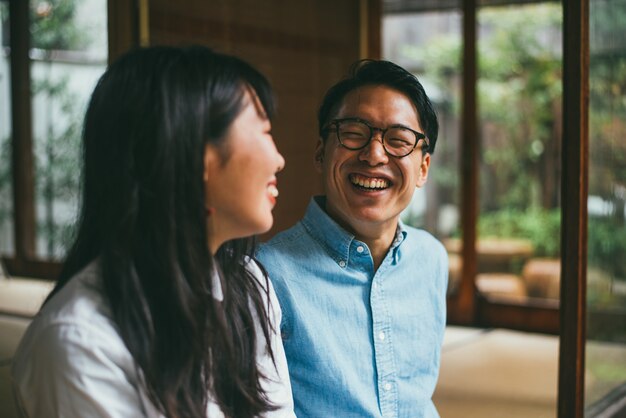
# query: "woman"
{"points": [[160, 309]]}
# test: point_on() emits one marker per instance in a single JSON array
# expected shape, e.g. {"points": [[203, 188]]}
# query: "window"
{"points": [[519, 111], [606, 274], [63, 45], [429, 45], [525, 170], [517, 224], [68, 54], [518, 114], [6, 189]]}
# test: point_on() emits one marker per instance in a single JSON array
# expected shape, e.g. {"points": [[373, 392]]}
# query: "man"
{"points": [[362, 295]]}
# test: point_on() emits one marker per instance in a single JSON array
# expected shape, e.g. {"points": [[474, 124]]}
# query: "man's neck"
{"points": [[378, 238]]}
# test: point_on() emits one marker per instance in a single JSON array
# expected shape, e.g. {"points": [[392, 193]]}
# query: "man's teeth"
{"points": [[273, 190], [369, 183]]}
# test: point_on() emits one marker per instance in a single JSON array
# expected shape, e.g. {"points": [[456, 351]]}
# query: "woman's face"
{"points": [[240, 177]]}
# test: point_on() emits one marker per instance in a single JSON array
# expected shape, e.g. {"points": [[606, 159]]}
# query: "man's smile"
{"points": [[369, 183]]}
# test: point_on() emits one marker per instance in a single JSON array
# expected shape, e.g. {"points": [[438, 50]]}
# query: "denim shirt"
{"points": [[359, 342]]}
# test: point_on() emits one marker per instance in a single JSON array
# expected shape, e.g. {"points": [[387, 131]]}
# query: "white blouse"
{"points": [[72, 361]]}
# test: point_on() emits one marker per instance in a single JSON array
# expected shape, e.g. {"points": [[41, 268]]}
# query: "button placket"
{"points": [[385, 364]]}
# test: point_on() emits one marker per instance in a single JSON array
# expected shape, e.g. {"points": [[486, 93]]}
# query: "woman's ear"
{"points": [[211, 162], [422, 175]]}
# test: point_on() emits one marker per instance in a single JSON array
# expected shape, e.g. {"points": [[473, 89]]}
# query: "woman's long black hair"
{"points": [[143, 218]]}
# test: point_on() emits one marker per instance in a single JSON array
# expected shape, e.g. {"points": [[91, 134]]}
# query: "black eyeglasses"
{"points": [[398, 141]]}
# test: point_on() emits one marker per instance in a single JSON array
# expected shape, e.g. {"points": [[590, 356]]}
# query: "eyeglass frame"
{"points": [[418, 135]]}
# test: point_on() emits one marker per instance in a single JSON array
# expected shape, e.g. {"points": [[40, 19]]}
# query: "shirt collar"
{"points": [[401, 233], [216, 285], [333, 237], [335, 240]]}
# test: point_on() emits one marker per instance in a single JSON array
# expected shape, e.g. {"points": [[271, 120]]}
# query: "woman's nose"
{"points": [[281, 162]]}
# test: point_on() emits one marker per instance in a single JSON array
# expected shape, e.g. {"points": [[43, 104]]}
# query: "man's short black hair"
{"points": [[381, 73]]}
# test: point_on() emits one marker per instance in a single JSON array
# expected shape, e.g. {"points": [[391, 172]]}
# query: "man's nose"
{"points": [[374, 153]]}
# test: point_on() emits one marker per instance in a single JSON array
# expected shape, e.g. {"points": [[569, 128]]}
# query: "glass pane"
{"points": [[519, 98], [6, 190], [605, 379], [429, 45], [69, 53]]}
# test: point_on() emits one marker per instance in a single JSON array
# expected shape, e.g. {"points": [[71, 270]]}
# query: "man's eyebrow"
{"points": [[373, 125]]}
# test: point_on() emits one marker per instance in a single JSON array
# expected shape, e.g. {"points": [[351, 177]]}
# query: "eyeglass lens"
{"points": [[355, 135]]}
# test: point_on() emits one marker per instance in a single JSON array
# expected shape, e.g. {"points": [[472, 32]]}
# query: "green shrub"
{"points": [[606, 236], [542, 227], [606, 246]]}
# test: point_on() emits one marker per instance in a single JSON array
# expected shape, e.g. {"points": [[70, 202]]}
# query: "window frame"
{"points": [[124, 28], [567, 317], [128, 27]]}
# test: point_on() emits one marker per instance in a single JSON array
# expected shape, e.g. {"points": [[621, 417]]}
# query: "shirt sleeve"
{"points": [[71, 372], [276, 384]]}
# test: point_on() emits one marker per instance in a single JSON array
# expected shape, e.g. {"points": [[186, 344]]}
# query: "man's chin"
{"points": [[369, 216]]}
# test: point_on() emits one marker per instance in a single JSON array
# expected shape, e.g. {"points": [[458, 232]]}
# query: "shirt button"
{"points": [[342, 263], [360, 249], [387, 386], [381, 336]]}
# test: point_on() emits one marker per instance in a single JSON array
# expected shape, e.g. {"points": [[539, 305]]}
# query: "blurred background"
{"points": [[495, 191]]}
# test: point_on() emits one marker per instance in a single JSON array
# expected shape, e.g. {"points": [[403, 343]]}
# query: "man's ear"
{"points": [[422, 175], [319, 155]]}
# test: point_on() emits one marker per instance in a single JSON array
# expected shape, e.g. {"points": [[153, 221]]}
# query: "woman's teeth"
{"points": [[369, 183], [273, 190]]}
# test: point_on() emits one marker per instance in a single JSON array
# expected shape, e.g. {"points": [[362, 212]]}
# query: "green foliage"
{"points": [[56, 151], [607, 16], [607, 246], [542, 227], [607, 125], [53, 25], [56, 157], [607, 121], [519, 95], [5, 180], [606, 236], [4, 11]]}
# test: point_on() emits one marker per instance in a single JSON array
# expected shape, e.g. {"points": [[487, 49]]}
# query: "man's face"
{"points": [[369, 188]]}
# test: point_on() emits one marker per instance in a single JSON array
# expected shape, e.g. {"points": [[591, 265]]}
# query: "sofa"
{"points": [[20, 299]]}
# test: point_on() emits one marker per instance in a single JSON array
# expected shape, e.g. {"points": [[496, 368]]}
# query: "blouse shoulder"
{"points": [[72, 351]]}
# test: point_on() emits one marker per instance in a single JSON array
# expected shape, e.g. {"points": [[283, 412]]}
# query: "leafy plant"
{"points": [[56, 157], [53, 27], [6, 210], [542, 227], [607, 246]]}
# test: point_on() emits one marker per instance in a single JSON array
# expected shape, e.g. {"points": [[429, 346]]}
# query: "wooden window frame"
{"points": [[574, 191], [123, 33], [567, 318]]}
